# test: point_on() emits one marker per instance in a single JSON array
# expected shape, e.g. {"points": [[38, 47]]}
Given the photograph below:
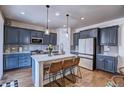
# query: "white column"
{"points": [[121, 46], [63, 39], [1, 45]]}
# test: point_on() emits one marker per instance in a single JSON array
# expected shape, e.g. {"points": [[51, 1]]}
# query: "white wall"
{"points": [[1, 45], [119, 22], [63, 39]]}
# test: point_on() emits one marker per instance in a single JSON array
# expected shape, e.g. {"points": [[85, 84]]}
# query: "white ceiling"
{"points": [[36, 14]]}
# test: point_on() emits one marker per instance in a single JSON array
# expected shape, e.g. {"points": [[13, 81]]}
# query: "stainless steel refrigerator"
{"points": [[87, 53]]}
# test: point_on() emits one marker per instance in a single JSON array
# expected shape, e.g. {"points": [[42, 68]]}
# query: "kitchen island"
{"points": [[38, 62]]}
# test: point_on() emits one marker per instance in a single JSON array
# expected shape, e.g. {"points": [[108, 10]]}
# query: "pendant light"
{"points": [[67, 15], [47, 29]]}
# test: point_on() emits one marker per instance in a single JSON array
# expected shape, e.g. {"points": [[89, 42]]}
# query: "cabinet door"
{"points": [[83, 34], [100, 63], [37, 34], [109, 64], [113, 36], [46, 39], [11, 35], [24, 60], [11, 61], [76, 39], [53, 38], [93, 32], [104, 36], [24, 37]]}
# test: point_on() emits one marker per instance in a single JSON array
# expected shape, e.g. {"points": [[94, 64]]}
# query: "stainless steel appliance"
{"points": [[87, 53], [35, 40]]}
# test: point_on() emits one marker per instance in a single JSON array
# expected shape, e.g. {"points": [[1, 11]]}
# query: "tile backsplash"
{"points": [[16, 48], [109, 49]]}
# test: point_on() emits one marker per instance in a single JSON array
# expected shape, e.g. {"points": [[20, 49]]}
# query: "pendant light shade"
{"points": [[47, 29], [67, 15]]}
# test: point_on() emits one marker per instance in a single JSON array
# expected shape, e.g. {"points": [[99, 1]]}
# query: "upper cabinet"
{"points": [[89, 33], [109, 36], [21, 36], [24, 37], [76, 37], [11, 35], [37, 34], [46, 39], [53, 38]]}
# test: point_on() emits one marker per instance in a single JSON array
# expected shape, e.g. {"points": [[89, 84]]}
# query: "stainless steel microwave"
{"points": [[35, 40]]}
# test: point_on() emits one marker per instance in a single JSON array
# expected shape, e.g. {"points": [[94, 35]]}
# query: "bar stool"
{"points": [[68, 66], [54, 70], [76, 65]]}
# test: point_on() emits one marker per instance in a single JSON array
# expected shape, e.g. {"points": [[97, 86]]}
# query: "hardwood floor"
{"points": [[89, 78]]}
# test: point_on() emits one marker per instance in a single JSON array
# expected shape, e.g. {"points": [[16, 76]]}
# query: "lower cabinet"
{"points": [[106, 63], [12, 61], [24, 60]]}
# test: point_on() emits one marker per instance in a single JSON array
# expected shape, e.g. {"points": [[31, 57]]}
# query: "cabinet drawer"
{"points": [[24, 63], [11, 56], [11, 63]]}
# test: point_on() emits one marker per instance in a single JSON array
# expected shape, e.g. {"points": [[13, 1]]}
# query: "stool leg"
{"points": [[72, 74], [79, 72], [73, 70], [50, 80], [63, 73]]}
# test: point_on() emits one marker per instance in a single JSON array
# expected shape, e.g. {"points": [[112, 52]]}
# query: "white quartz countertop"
{"points": [[111, 55], [17, 52], [45, 57]]}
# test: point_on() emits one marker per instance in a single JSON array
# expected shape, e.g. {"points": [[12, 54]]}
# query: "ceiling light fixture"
{"points": [[64, 25], [67, 15], [49, 20], [22, 13], [47, 29], [82, 18], [57, 14]]}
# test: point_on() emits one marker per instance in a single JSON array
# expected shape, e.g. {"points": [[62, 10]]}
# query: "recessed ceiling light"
{"points": [[22, 13], [82, 18], [57, 14], [64, 25], [49, 20]]}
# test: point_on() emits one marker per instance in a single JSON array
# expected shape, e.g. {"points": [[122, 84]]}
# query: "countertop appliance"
{"points": [[35, 40], [86, 52]]}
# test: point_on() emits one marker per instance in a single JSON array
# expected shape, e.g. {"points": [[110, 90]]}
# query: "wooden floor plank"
{"points": [[89, 78]]}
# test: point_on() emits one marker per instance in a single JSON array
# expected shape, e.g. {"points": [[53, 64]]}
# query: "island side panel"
{"points": [[41, 70]]}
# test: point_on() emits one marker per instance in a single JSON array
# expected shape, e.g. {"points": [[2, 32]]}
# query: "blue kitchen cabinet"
{"points": [[53, 38], [37, 34], [11, 35], [24, 36], [10, 61], [76, 37], [100, 63], [106, 63], [24, 60], [46, 39], [109, 65], [109, 36]]}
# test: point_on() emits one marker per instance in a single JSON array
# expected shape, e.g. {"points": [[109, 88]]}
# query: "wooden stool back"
{"points": [[67, 63], [55, 67], [76, 61]]}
